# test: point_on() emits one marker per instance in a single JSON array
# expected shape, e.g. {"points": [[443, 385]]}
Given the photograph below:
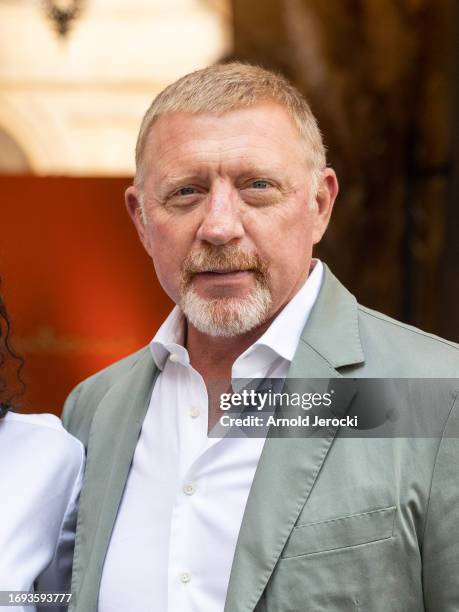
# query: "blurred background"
{"points": [[76, 76]]}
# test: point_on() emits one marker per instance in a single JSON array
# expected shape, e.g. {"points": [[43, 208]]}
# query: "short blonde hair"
{"points": [[221, 88]]}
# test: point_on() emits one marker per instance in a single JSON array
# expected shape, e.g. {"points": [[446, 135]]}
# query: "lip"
{"points": [[223, 276]]}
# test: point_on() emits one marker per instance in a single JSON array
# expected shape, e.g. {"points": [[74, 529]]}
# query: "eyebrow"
{"points": [[250, 170], [169, 180]]}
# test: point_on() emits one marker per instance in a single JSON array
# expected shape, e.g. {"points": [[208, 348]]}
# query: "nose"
{"points": [[222, 221]]}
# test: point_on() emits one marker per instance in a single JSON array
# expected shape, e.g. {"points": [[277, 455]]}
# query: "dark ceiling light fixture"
{"points": [[63, 13]]}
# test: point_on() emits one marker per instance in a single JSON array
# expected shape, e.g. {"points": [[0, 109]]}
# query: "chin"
{"points": [[227, 316]]}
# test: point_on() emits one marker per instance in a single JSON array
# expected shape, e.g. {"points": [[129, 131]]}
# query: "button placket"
{"points": [[189, 488], [185, 576]]}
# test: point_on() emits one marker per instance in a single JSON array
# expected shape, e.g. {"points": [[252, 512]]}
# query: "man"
{"points": [[231, 194]]}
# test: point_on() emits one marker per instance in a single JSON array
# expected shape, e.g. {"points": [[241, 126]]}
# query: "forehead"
{"points": [[260, 134]]}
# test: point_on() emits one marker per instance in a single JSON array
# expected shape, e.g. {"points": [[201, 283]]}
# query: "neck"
{"points": [[213, 356]]}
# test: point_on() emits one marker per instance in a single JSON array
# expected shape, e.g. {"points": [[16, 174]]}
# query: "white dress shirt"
{"points": [[174, 539], [41, 467]]}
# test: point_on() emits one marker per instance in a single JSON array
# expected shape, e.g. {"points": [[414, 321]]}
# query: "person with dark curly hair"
{"points": [[40, 480]]}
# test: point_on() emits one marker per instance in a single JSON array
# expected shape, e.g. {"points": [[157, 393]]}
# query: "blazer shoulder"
{"points": [[412, 351], [81, 404]]}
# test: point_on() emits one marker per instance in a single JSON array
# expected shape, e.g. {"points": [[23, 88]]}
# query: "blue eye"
{"points": [[184, 191], [260, 184]]}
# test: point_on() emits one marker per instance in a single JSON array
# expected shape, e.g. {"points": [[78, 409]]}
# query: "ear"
{"points": [[326, 195], [132, 198]]}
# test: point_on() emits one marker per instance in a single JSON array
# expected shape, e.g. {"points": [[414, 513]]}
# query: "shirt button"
{"points": [[194, 412], [189, 488], [174, 357], [185, 576]]}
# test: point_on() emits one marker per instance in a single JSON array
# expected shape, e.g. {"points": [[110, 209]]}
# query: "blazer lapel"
{"points": [[113, 438], [289, 467]]}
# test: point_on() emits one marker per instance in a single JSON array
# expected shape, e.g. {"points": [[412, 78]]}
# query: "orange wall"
{"points": [[80, 290]]}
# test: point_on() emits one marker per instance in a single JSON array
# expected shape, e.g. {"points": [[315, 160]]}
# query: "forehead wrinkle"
{"points": [[202, 132], [213, 165], [221, 144]]}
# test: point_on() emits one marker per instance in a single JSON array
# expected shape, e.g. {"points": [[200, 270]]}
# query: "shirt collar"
{"points": [[169, 339], [282, 336], [284, 333]]}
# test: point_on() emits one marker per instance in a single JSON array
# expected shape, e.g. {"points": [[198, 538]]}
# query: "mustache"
{"points": [[222, 259]]}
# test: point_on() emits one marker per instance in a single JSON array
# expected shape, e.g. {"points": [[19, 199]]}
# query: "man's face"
{"points": [[228, 220]]}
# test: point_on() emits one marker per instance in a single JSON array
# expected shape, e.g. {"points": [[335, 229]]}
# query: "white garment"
{"points": [[41, 467], [174, 539]]}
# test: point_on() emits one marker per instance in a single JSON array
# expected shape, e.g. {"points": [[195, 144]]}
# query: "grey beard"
{"points": [[227, 317]]}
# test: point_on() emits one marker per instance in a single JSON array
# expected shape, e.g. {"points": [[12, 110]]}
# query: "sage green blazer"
{"points": [[331, 522]]}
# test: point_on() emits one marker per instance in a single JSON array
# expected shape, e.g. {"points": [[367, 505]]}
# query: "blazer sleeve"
{"points": [[440, 547], [79, 409], [69, 406], [83, 402]]}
